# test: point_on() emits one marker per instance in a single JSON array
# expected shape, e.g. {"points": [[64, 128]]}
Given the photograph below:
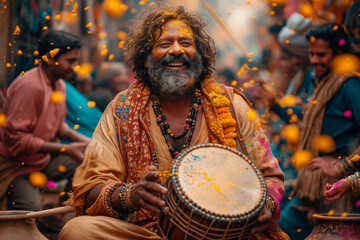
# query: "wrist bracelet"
{"points": [[124, 197], [270, 204], [110, 188]]}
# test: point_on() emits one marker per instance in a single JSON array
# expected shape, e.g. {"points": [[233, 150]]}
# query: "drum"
{"points": [[215, 192]]}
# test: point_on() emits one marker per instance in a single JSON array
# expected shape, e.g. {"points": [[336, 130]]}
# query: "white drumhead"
{"points": [[219, 180]]}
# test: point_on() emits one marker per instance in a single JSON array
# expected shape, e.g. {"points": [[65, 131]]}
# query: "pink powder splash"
{"points": [[357, 204], [51, 184], [263, 141], [342, 42], [347, 113]]}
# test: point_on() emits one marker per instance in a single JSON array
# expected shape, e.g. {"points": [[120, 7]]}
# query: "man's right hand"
{"points": [[336, 191], [146, 192], [75, 150]]}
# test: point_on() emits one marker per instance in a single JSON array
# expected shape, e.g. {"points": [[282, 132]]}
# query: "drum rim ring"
{"points": [[207, 213]]}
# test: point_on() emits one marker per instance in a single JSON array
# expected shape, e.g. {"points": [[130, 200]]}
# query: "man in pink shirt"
{"points": [[35, 108]]}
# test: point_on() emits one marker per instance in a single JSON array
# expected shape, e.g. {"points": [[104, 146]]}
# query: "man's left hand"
{"points": [[263, 221], [329, 167]]}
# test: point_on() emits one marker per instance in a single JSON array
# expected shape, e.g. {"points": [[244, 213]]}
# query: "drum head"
{"points": [[219, 181]]}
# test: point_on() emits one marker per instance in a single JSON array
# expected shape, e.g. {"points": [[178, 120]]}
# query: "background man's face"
{"points": [[66, 63], [321, 56]]}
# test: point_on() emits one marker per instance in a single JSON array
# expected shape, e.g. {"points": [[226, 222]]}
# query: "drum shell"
{"points": [[187, 223]]}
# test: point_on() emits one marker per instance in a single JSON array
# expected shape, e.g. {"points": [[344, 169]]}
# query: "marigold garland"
{"points": [[228, 131]]}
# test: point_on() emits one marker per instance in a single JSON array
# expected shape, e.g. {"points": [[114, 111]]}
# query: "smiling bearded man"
{"points": [[172, 56]]}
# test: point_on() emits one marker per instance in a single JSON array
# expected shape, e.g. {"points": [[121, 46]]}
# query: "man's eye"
{"points": [[186, 44], [164, 44]]}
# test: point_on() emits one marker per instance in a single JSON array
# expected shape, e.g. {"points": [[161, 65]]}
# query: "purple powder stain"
{"points": [[342, 42], [357, 204], [347, 113], [51, 184]]}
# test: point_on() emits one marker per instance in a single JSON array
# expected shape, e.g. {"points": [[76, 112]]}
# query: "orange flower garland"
{"points": [[224, 118]]}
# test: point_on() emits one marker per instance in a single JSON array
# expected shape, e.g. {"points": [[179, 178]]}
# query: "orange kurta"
{"points": [[104, 161]]}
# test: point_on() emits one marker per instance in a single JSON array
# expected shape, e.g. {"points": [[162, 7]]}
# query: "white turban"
{"points": [[294, 31]]}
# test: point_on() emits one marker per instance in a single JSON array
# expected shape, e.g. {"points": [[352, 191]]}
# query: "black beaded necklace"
{"points": [[189, 125]]}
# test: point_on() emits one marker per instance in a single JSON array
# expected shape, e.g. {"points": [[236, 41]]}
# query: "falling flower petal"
{"points": [[61, 168], [3, 119], [115, 8], [54, 52], [331, 212], [291, 133], [17, 30], [121, 44], [301, 158], [251, 113], [355, 158], [38, 179], [44, 58], [57, 97], [323, 143], [91, 104]]}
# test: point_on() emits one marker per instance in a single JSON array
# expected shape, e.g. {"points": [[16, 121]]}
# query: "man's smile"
{"points": [[176, 66]]}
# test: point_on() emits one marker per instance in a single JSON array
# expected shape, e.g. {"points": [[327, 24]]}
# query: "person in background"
{"points": [[113, 78], [331, 118], [82, 114], [35, 108], [292, 39], [293, 64], [84, 84]]}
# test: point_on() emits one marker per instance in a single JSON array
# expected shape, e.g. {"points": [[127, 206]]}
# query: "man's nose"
{"points": [[75, 63], [314, 59], [177, 50]]}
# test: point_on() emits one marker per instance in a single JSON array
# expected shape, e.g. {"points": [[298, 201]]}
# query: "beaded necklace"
{"points": [[189, 126]]}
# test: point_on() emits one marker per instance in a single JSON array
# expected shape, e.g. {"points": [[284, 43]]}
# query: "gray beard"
{"points": [[169, 84]]}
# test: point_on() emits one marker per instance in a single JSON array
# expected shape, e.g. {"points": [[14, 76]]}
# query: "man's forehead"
{"points": [[184, 29]]}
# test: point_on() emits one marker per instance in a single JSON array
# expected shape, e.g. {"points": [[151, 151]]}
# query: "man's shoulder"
{"points": [[352, 84], [121, 96], [27, 80]]}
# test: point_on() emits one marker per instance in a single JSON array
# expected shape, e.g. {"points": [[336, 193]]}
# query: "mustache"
{"points": [[170, 59], [320, 65]]}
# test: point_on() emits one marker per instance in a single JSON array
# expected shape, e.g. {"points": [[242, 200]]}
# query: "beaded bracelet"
{"points": [[110, 188], [124, 197]]}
